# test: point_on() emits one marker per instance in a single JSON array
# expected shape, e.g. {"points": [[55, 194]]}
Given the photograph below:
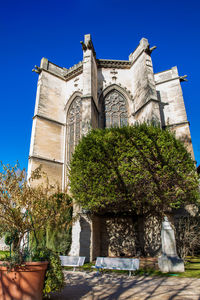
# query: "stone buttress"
{"points": [[99, 93]]}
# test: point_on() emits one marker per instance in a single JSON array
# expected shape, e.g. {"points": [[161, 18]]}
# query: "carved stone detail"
{"points": [[73, 126], [115, 110], [115, 64]]}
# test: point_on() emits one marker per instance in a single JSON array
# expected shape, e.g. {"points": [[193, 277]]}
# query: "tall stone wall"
{"points": [[118, 237], [126, 236], [148, 96], [172, 107]]}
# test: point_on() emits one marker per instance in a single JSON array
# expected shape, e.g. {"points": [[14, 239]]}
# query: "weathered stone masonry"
{"points": [[100, 93]]}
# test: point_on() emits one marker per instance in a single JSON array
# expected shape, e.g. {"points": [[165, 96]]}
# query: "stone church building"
{"points": [[99, 93]]}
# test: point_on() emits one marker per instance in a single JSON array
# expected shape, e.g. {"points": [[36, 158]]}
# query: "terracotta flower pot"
{"points": [[24, 282]]}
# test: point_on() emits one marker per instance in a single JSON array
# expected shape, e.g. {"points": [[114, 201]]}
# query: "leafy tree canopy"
{"points": [[138, 169], [30, 206]]}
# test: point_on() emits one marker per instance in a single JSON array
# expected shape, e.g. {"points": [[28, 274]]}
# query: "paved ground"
{"points": [[81, 285]]}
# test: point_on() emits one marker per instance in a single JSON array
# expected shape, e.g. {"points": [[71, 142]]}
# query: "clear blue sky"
{"points": [[30, 30]]}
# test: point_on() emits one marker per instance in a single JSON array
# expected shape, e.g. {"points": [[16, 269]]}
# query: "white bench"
{"points": [[115, 263], [72, 261]]}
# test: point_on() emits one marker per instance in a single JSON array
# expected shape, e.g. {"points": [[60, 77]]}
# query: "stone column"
{"points": [[89, 98], [146, 102], [169, 260], [82, 236]]}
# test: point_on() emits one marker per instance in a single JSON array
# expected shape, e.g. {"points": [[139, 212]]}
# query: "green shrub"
{"points": [[141, 169], [58, 236]]}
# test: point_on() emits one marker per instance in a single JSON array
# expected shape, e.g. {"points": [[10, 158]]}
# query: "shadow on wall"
{"points": [[130, 236], [85, 236]]}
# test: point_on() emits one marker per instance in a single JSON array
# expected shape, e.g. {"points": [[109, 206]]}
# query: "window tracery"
{"points": [[73, 126], [115, 110]]}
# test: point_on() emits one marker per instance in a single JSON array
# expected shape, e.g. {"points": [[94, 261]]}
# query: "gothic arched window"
{"points": [[73, 126], [115, 110]]}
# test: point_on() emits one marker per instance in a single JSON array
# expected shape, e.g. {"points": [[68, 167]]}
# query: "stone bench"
{"points": [[72, 261], [115, 263]]}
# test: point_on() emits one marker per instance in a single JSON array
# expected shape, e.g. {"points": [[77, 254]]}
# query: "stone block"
{"points": [[172, 264], [169, 261]]}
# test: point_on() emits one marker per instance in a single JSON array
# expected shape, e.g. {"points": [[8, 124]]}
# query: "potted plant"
{"points": [[27, 208]]}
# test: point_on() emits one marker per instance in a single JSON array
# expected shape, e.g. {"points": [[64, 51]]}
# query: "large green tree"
{"points": [[141, 169]]}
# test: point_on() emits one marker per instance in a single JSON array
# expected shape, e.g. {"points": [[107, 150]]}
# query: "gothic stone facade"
{"points": [[100, 93]]}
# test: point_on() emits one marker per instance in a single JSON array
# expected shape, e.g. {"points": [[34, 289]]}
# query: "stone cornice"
{"points": [[177, 124], [46, 159], [74, 71], [117, 64], [48, 119], [64, 74]]}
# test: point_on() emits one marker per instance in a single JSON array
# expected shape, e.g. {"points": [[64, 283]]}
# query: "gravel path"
{"points": [[82, 285]]}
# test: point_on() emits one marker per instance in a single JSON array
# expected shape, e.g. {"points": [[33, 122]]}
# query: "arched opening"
{"points": [[73, 126], [114, 109]]}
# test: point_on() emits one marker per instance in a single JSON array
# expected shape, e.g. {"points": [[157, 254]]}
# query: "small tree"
{"points": [[141, 169], [26, 209]]}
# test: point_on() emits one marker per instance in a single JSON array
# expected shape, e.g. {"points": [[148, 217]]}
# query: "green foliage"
{"points": [[10, 238], [59, 240], [27, 208], [58, 236], [54, 280], [3, 254], [141, 169], [39, 241]]}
